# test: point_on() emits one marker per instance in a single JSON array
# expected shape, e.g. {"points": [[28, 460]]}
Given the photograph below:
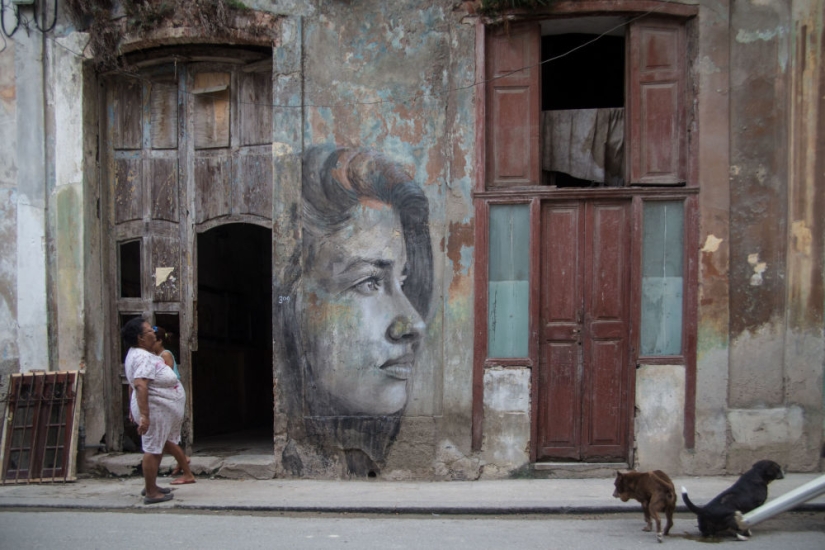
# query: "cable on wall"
{"points": [[3, 20]]}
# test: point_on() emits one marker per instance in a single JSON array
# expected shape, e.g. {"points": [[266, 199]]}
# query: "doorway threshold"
{"points": [[578, 470], [246, 442]]}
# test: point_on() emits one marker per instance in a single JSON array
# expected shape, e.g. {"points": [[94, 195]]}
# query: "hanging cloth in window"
{"points": [[585, 143]]}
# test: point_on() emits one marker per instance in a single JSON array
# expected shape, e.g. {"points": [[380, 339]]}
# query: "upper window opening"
{"points": [[582, 102], [582, 71]]}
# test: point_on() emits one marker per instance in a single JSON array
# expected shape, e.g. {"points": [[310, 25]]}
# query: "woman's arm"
{"points": [[142, 390], [166, 355]]}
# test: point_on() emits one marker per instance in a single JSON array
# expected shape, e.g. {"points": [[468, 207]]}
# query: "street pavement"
{"points": [[487, 497]]}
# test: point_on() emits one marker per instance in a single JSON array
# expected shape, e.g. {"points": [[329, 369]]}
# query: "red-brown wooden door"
{"points": [[583, 396]]}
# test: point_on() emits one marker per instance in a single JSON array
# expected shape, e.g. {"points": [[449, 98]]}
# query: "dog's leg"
{"points": [[669, 513], [655, 513], [646, 510]]}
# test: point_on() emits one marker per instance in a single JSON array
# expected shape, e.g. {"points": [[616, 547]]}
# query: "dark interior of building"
{"points": [[232, 367], [581, 71]]}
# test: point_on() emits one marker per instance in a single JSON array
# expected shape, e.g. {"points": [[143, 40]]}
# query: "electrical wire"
{"points": [[396, 100], [3, 20], [54, 17]]}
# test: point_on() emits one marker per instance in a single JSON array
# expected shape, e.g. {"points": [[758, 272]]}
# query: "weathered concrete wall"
{"points": [[9, 355], [660, 420], [64, 73], [775, 368], [506, 445], [379, 76], [710, 73], [31, 270], [804, 356]]}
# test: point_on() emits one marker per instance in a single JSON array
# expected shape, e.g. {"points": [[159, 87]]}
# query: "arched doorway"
{"points": [[232, 395]]}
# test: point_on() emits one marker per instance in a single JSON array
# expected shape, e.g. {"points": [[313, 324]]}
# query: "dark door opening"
{"points": [[232, 394]]}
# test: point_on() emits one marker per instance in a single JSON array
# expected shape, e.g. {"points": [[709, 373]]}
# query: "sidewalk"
{"points": [[521, 496]]}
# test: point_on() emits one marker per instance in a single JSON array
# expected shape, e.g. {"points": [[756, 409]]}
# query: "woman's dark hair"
{"points": [[131, 330], [163, 337]]}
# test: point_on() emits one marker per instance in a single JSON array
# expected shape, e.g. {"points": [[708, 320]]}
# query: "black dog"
{"points": [[750, 491]]}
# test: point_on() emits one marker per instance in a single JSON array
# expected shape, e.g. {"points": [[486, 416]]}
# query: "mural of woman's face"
{"points": [[359, 327]]}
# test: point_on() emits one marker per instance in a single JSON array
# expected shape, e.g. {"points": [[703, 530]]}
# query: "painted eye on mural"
{"points": [[368, 286]]}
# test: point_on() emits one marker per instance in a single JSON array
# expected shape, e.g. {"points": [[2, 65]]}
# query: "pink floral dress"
{"points": [[167, 398]]}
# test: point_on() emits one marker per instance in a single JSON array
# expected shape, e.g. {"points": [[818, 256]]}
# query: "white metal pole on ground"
{"points": [[789, 500]]}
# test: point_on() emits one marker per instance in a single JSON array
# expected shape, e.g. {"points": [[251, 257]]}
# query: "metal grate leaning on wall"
{"points": [[40, 431]]}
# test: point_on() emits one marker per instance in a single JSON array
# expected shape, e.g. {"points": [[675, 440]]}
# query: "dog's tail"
{"points": [[693, 508]]}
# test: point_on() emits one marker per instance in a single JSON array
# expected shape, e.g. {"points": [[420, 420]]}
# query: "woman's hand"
{"points": [[142, 392], [143, 425]]}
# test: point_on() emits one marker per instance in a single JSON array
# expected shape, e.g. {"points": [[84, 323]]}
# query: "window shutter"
{"points": [[655, 102], [513, 105]]}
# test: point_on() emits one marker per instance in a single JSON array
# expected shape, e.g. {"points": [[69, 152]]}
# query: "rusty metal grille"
{"points": [[40, 432]]}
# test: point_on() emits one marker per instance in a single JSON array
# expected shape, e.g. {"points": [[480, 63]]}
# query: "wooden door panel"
{"points": [[212, 189], [583, 403], [163, 176], [560, 266], [163, 117], [561, 429], [606, 225], [605, 333], [128, 189], [604, 414], [560, 366], [125, 112], [253, 183], [659, 149], [655, 116], [513, 105], [255, 108]]}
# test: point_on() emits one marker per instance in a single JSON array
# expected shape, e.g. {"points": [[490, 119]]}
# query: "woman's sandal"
{"points": [[164, 490], [177, 469], [163, 498]]}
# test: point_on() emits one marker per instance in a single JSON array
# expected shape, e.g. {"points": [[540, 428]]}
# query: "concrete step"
{"points": [[243, 466]]}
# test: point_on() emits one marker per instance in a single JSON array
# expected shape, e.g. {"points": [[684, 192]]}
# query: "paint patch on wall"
{"points": [[162, 275], [802, 237], [758, 269], [712, 244], [748, 37]]}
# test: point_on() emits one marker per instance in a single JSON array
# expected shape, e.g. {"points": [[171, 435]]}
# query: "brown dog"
{"points": [[656, 493]]}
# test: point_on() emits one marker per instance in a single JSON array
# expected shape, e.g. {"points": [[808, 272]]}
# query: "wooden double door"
{"points": [[584, 386]]}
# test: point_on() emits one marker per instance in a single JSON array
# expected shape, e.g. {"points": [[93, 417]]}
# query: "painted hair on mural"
{"points": [[336, 180]]}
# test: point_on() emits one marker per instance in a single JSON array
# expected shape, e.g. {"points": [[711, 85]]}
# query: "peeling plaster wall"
{"points": [[660, 402], [711, 77], [506, 420], [66, 198], [9, 355], [379, 75], [759, 103], [776, 302], [31, 269]]}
